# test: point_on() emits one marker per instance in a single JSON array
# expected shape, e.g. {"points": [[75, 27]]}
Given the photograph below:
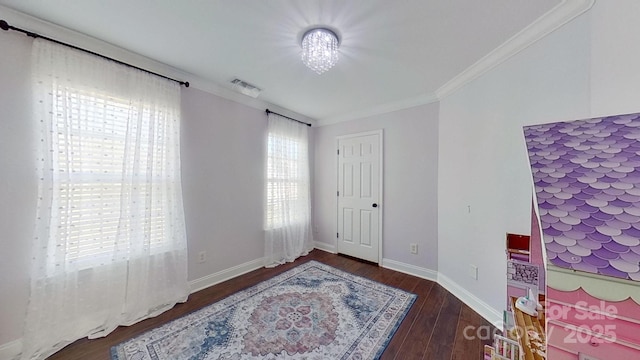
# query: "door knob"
{"points": [[374, 205]]}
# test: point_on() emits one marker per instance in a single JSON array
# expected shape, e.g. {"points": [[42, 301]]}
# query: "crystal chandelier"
{"points": [[320, 49]]}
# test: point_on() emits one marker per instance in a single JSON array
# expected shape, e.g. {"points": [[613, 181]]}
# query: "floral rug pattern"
{"points": [[312, 311]]}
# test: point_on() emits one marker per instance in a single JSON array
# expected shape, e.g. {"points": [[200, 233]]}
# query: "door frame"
{"points": [[380, 134]]}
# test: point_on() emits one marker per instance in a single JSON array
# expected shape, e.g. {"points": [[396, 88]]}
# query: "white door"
{"points": [[359, 195]]}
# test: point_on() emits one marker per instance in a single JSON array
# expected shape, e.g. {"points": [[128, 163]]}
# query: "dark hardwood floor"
{"points": [[432, 329]]}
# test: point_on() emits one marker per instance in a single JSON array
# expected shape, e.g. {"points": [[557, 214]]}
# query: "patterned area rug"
{"points": [[312, 311]]}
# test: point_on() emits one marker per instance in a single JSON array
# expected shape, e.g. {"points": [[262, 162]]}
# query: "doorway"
{"points": [[359, 195]]}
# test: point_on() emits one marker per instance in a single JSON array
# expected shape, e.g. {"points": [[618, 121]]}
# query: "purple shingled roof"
{"points": [[587, 181]]}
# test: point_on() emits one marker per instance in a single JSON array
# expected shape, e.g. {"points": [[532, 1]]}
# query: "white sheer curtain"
{"points": [[287, 195], [110, 243]]}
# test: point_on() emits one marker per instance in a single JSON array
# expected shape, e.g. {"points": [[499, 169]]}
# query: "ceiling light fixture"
{"points": [[320, 49]]}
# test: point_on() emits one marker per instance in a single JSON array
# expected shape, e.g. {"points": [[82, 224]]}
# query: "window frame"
{"points": [[76, 111], [275, 221]]}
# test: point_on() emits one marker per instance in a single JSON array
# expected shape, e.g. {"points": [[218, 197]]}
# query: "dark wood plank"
{"points": [[468, 335], [422, 288], [441, 344], [419, 336], [434, 323]]}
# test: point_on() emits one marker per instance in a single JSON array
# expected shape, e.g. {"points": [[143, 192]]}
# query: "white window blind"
{"points": [[95, 199], [283, 180], [110, 243], [287, 199]]}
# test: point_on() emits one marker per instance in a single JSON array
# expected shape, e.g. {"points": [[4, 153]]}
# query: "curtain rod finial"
{"points": [[4, 25]]}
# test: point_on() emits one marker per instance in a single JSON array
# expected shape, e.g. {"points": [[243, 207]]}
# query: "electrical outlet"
{"points": [[473, 271], [413, 247], [202, 256]]}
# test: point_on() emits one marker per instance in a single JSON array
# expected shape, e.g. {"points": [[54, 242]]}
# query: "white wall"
{"points": [[410, 182], [482, 156], [589, 67], [615, 57]]}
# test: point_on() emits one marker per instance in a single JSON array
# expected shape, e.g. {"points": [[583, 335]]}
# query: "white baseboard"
{"points": [[11, 350], [485, 310], [325, 247], [410, 269], [224, 275]]}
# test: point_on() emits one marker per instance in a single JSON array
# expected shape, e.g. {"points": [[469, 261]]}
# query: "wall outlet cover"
{"points": [[473, 271]]}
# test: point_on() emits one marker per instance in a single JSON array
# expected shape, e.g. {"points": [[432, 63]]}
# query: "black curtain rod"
{"points": [[5, 26], [301, 122]]}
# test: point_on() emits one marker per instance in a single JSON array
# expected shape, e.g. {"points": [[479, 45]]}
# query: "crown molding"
{"points": [[31, 23], [561, 14], [217, 90], [555, 18], [57, 32], [380, 109]]}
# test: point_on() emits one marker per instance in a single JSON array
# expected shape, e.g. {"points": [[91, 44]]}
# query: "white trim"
{"points": [[325, 247], [381, 195], [28, 22], [11, 350], [561, 14], [485, 310], [380, 134], [380, 109], [410, 269], [224, 275], [555, 18], [364, 133]]}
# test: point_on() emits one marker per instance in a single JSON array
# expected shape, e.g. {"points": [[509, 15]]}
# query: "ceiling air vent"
{"points": [[245, 88]]}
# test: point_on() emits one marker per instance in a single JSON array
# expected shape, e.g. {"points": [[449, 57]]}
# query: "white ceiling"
{"points": [[392, 51]]}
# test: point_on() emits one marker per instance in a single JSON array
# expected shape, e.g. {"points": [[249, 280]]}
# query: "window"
{"points": [[110, 244], [287, 191], [95, 199], [89, 149], [109, 170], [285, 181]]}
